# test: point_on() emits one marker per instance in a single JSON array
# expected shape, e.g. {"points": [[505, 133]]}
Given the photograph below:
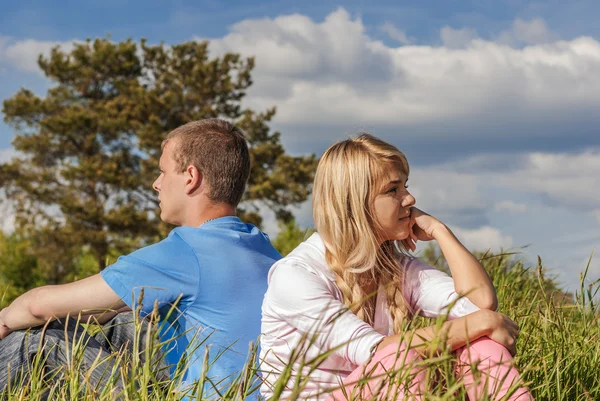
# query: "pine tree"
{"points": [[89, 149]]}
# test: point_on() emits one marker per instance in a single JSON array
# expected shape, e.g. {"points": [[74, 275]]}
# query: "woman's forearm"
{"points": [[470, 278], [451, 334]]}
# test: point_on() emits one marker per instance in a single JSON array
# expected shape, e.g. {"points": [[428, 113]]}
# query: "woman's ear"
{"points": [[193, 180]]}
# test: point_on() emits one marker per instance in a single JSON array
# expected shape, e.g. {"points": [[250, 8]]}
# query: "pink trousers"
{"points": [[485, 367]]}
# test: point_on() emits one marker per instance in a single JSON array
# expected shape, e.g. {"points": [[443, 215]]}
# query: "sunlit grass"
{"points": [[558, 353]]}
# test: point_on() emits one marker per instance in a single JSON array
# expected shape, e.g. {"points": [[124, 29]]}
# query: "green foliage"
{"points": [[19, 268], [89, 149], [290, 236]]}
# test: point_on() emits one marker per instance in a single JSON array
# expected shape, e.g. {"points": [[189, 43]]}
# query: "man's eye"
{"points": [[406, 185]]}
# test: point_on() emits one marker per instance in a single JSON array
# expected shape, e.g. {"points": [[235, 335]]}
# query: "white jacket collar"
{"points": [[312, 255]]}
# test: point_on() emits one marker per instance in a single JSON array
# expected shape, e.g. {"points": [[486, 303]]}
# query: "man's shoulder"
{"points": [[227, 238], [172, 246]]}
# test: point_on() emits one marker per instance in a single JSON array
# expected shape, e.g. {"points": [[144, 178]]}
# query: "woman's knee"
{"points": [[399, 358], [490, 349]]}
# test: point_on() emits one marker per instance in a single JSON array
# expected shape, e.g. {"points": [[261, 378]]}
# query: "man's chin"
{"points": [[170, 220], [164, 217]]}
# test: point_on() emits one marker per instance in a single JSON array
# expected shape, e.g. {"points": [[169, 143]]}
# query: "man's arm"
{"points": [[88, 296], [102, 317]]}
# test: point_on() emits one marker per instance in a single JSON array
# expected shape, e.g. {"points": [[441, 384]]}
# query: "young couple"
{"points": [[218, 271]]}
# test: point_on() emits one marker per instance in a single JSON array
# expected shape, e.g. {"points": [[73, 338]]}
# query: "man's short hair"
{"points": [[218, 149]]}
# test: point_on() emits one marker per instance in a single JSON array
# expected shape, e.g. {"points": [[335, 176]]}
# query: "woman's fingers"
{"points": [[409, 244], [412, 234]]}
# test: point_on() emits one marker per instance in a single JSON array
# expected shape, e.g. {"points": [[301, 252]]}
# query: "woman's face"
{"points": [[392, 207]]}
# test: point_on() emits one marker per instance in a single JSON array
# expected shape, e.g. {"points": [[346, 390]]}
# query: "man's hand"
{"points": [[4, 331]]}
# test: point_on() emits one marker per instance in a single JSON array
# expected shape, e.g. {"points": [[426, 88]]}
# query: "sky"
{"points": [[495, 103]]}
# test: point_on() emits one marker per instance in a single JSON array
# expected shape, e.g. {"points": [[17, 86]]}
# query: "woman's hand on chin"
{"points": [[423, 225]]}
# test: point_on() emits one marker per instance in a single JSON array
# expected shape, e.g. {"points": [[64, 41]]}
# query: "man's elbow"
{"points": [[38, 306]]}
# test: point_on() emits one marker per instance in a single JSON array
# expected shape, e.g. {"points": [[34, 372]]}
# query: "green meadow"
{"points": [[558, 350]]}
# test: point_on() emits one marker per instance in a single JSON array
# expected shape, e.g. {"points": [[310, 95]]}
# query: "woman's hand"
{"points": [[503, 331], [422, 228]]}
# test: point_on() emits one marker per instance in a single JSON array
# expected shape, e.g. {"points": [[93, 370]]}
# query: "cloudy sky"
{"points": [[495, 103]]}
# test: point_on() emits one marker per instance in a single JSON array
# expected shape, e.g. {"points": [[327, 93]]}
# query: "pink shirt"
{"points": [[304, 303]]}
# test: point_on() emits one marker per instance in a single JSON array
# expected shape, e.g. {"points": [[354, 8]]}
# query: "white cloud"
{"points": [[571, 268], [295, 46], [23, 54], [527, 32], [332, 71], [395, 33], [7, 216], [596, 214], [7, 154], [457, 38], [444, 191], [510, 207], [552, 190], [483, 238], [593, 273], [571, 180]]}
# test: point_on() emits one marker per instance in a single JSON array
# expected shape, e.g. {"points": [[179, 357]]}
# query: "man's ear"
{"points": [[193, 181]]}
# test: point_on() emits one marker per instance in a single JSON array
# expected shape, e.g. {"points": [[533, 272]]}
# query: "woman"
{"points": [[318, 301]]}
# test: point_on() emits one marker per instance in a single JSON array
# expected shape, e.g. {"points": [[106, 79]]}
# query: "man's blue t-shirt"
{"points": [[218, 271]]}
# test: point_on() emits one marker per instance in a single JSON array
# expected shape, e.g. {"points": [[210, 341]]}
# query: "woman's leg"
{"points": [[391, 365], [495, 373]]}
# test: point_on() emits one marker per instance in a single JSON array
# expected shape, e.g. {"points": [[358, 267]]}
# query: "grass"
{"points": [[558, 352]]}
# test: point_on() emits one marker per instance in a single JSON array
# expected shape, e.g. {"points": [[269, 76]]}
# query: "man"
{"points": [[206, 279]]}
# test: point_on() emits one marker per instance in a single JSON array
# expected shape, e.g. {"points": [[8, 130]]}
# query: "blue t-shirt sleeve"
{"points": [[167, 271]]}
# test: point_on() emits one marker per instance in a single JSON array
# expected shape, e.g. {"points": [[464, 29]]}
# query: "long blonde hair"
{"points": [[349, 176]]}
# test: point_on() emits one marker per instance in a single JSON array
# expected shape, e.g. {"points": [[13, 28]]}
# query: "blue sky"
{"points": [[494, 102]]}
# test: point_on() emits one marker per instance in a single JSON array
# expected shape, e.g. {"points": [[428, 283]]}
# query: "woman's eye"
{"points": [[392, 190]]}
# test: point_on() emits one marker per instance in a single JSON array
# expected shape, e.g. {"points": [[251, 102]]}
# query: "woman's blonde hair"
{"points": [[349, 176]]}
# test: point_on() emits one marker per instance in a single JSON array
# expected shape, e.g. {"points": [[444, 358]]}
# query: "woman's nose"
{"points": [[408, 200]]}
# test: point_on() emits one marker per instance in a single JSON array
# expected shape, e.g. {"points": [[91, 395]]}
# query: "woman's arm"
{"points": [[470, 278], [456, 333]]}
